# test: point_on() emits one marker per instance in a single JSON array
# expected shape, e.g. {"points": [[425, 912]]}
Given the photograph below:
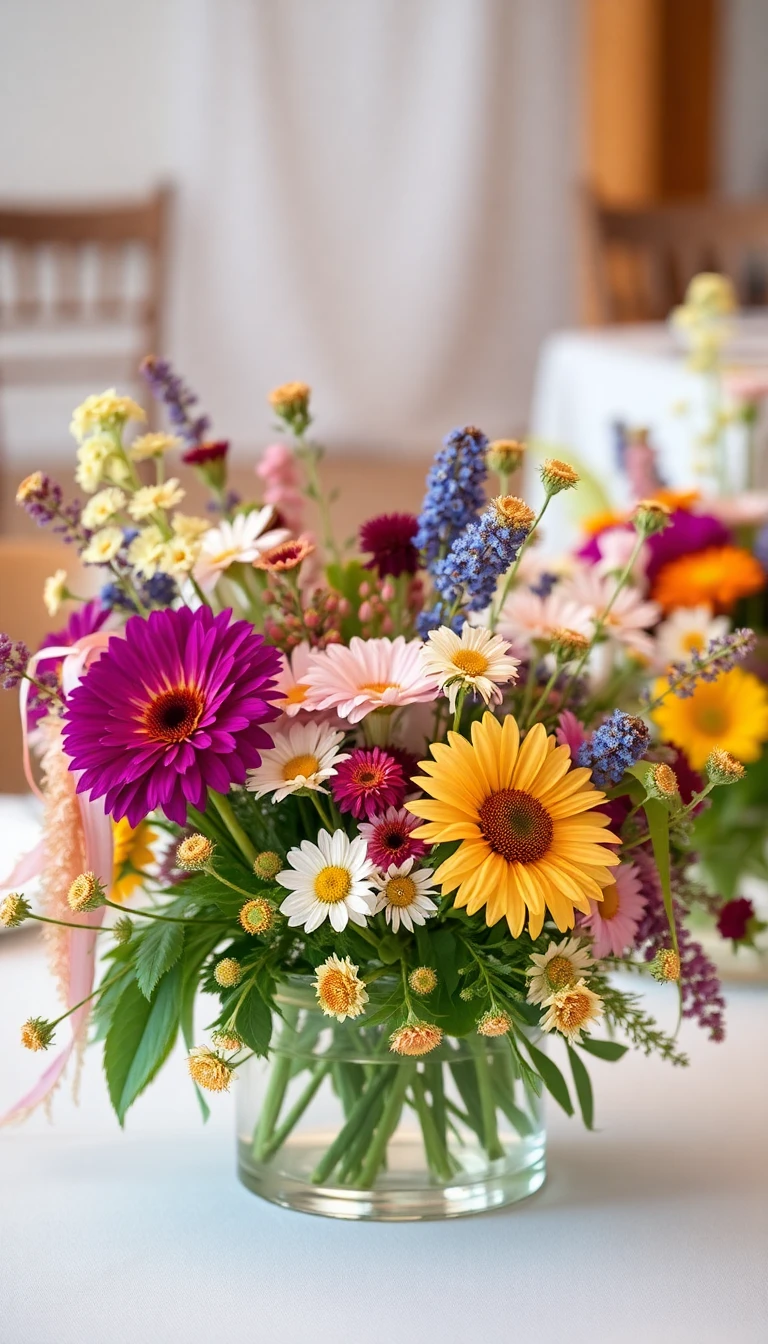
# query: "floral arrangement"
{"points": [[447, 784]]}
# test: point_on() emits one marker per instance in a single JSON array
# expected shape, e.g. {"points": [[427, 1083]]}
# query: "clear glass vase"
{"points": [[335, 1124]]}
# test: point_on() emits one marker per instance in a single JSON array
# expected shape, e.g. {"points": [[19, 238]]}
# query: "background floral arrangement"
{"points": [[451, 785]]}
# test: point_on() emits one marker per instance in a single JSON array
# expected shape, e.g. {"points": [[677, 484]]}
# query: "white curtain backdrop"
{"points": [[375, 197]]}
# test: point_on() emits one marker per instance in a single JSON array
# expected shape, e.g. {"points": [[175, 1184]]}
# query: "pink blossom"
{"points": [[613, 922], [279, 471]]}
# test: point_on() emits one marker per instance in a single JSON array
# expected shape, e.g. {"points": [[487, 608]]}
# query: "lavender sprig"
{"points": [[455, 492], [721, 655], [170, 389]]}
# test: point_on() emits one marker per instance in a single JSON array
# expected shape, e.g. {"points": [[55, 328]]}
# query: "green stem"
{"points": [[491, 1141], [224, 809], [512, 575], [275, 1093], [532, 717], [167, 919], [438, 1157], [318, 1074], [345, 1136], [404, 1074], [326, 820], [459, 706], [66, 924], [209, 868]]}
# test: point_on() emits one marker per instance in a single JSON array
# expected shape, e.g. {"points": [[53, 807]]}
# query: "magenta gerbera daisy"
{"points": [[174, 708], [368, 781], [388, 538], [389, 839]]}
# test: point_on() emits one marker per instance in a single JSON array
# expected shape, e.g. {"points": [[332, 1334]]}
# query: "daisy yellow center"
{"points": [[401, 891], [228, 553], [516, 825], [560, 972], [337, 992], [305, 765], [332, 884], [470, 662], [174, 715], [693, 641], [296, 695], [609, 906], [575, 1011], [380, 687]]}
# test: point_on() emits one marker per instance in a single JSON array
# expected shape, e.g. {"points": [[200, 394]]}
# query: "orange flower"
{"points": [[718, 577]]}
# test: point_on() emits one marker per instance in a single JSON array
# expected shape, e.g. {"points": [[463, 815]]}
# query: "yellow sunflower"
{"points": [[731, 713], [132, 852], [531, 839]]}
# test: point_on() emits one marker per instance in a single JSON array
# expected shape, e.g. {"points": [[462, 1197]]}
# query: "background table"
{"points": [[654, 1228], [589, 380]]}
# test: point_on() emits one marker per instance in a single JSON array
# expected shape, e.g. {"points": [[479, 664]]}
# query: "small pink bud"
{"points": [[343, 607], [331, 603], [364, 589], [387, 625], [311, 619], [388, 592], [366, 611]]}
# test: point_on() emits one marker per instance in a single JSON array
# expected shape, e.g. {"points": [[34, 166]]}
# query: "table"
{"points": [[589, 380], [655, 1228]]}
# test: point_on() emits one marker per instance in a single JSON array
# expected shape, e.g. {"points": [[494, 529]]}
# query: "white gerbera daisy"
{"points": [[560, 966], [330, 879], [303, 757], [571, 1009], [340, 991], [474, 660], [240, 542], [687, 630], [403, 895]]}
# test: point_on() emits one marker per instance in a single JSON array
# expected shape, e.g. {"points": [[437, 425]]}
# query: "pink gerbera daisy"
{"points": [[630, 616], [613, 922], [526, 616], [369, 674], [172, 709], [389, 839], [368, 781]]}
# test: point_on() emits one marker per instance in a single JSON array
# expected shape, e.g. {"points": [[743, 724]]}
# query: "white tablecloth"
{"points": [[654, 1228], [587, 381]]}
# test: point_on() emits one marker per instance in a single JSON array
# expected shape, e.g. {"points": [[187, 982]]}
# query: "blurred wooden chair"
{"points": [[82, 291], [637, 262], [24, 567]]}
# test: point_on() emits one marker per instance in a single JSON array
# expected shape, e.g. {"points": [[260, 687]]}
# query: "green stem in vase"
{"points": [[351, 1129], [404, 1074], [318, 1074], [491, 1141], [438, 1157], [275, 1093]]}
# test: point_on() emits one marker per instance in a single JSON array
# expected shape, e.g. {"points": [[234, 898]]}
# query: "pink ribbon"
{"points": [[97, 834]]}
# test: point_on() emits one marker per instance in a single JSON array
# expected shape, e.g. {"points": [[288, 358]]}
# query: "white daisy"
{"points": [[303, 757], [560, 966], [146, 550], [150, 498], [240, 541], [103, 546], [55, 591], [687, 630], [102, 507], [474, 660], [404, 895], [331, 878]]}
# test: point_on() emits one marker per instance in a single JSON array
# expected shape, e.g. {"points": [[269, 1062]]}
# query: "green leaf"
{"points": [[253, 1021], [140, 1039], [610, 1050], [157, 949], [583, 1088], [551, 1076]]}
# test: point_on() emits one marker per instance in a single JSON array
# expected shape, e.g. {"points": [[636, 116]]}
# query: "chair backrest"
{"points": [[80, 270], [638, 261]]}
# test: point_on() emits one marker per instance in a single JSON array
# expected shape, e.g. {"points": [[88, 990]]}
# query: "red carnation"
{"points": [[388, 538]]}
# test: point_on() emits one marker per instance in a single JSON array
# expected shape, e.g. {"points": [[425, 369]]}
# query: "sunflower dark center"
{"points": [[174, 715], [516, 825]]}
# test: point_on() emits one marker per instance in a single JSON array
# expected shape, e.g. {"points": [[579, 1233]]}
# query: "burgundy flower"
{"points": [[213, 450], [733, 919], [171, 710], [367, 782], [388, 538], [389, 839]]}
